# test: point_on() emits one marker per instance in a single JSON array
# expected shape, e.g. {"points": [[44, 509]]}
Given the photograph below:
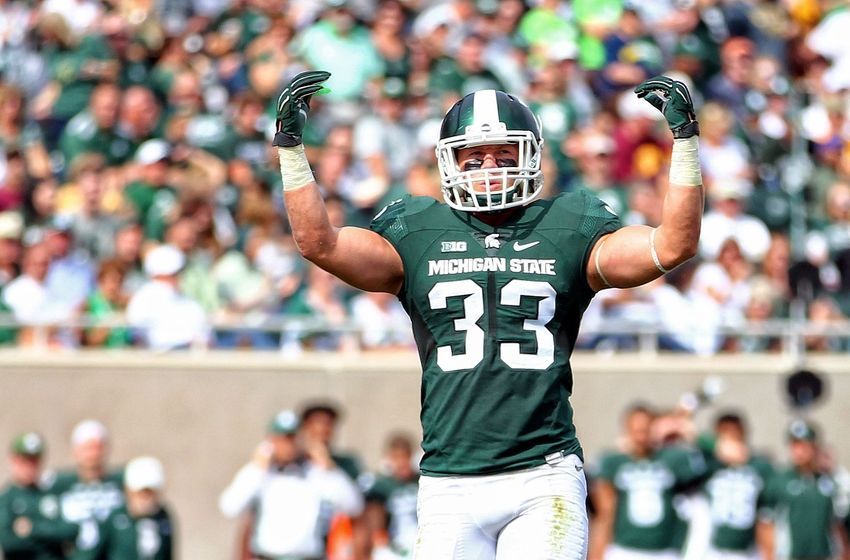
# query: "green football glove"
{"points": [[293, 106], [673, 99]]}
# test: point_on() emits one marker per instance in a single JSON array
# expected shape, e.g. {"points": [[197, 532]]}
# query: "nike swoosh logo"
{"points": [[523, 246]]}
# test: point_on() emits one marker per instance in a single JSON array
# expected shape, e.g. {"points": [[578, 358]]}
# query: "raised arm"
{"points": [[358, 256], [635, 255]]}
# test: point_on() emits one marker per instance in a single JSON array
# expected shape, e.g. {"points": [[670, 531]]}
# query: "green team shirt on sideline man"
{"points": [[495, 312], [399, 500], [88, 504], [803, 511], [48, 536], [736, 495], [124, 537], [645, 518]]}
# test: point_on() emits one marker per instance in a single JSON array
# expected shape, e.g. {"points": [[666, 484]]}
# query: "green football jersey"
{"points": [[735, 496], [399, 500], [125, 537], [645, 517], [88, 504], [803, 510], [495, 313], [48, 537]]}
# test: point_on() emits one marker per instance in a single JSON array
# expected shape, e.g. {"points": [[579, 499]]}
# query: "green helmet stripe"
{"points": [[486, 108]]}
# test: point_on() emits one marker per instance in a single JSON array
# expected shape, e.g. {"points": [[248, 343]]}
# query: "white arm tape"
{"points": [[599, 268], [684, 162], [654, 253], [294, 168]]}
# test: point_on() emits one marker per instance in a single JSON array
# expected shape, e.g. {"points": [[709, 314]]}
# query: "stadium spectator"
{"points": [[139, 116], [29, 299], [321, 297], [85, 86], [141, 529], [15, 182], [346, 46], [289, 485], [90, 491], [153, 198], [164, 317], [70, 278], [93, 129], [727, 219], [19, 134], [11, 229], [382, 322], [731, 85], [88, 209], [30, 521], [128, 251], [106, 304]]}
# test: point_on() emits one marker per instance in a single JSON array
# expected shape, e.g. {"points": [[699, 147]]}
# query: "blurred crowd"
{"points": [[140, 199], [664, 489]]}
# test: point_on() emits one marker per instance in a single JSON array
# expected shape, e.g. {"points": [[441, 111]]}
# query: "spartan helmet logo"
{"points": [[492, 241]]}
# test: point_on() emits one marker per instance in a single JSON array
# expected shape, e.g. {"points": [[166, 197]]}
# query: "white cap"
{"points": [[817, 248], [597, 143], [11, 225], [736, 188], [164, 260], [562, 50], [144, 473], [88, 430], [152, 151], [630, 106]]}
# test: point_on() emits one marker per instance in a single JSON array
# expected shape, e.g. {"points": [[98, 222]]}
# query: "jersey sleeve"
{"points": [[592, 218], [686, 463], [608, 467], [392, 222]]}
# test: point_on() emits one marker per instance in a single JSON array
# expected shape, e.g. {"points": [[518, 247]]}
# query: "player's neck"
{"points": [[496, 218]]}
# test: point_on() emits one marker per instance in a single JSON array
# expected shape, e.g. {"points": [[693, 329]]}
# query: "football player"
{"points": [[495, 281], [635, 491]]}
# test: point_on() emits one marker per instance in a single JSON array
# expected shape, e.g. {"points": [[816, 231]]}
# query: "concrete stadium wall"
{"points": [[202, 414]]}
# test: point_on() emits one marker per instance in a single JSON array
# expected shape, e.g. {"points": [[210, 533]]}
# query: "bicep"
{"points": [[367, 261], [622, 259]]}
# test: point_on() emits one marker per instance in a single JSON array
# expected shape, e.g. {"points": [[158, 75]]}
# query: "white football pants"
{"points": [[532, 514]]}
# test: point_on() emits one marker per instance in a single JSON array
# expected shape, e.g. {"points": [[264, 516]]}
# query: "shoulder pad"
{"points": [[389, 222]]}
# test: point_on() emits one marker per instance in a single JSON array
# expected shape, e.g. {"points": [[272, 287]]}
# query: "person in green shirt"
{"points": [[142, 529], [802, 501], [345, 47], [736, 490], [92, 130], [318, 427], [106, 303], [152, 198], [634, 494], [391, 499], [75, 65], [30, 525], [90, 492], [464, 73]]}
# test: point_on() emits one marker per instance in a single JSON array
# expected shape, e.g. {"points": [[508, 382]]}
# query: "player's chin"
{"points": [[482, 187]]}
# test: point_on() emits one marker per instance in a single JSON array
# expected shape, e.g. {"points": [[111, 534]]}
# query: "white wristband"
{"points": [[294, 168], [684, 162]]}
